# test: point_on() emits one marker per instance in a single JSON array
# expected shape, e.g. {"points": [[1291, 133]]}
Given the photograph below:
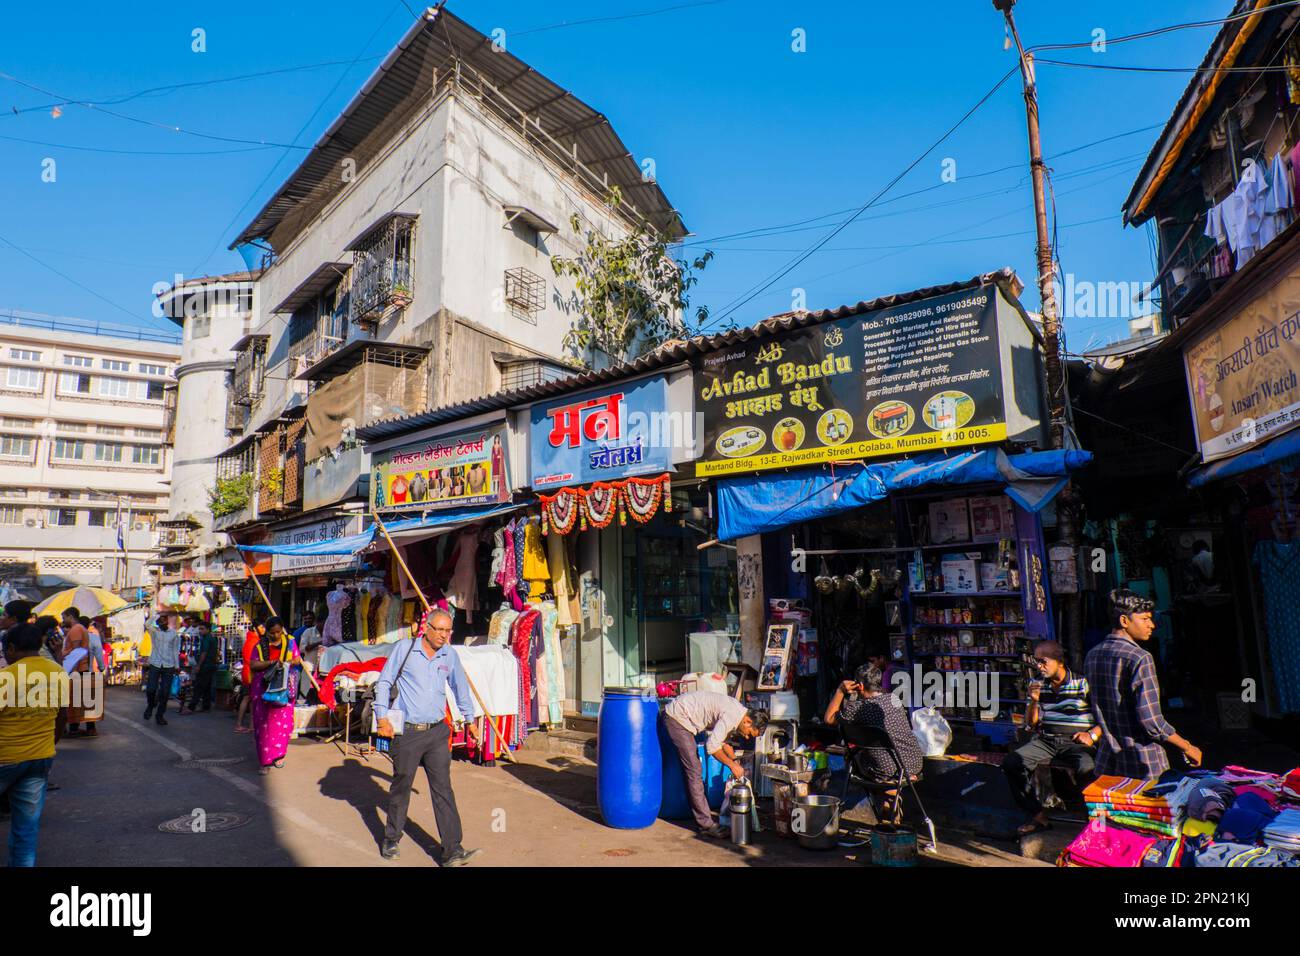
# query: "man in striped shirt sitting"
{"points": [[1060, 714]]}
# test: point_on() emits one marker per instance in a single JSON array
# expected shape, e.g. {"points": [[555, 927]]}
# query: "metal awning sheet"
{"points": [[402, 529], [324, 276], [1284, 446], [760, 503]]}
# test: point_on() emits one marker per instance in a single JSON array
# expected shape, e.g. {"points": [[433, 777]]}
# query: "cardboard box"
{"points": [[960, 576]]}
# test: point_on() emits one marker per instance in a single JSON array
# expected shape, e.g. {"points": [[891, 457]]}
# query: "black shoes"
{"points": [[148, 712], [390, 851], [161, 722], [461, 857]]}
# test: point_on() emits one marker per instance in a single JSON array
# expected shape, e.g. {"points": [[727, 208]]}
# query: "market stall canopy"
{"points": [[758, 503], [403, 529], [1284, 446]]}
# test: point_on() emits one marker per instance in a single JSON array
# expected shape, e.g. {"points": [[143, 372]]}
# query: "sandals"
{"points": [[1033, 826], [278, 764], [243, 730]]}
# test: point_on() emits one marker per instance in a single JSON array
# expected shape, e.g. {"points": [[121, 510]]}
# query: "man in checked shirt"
{"points": [[1126, 696]]}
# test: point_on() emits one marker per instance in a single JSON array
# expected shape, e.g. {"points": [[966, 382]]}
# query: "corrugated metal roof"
{"points": [[667, 355], [405, 81], [1196, 86]]}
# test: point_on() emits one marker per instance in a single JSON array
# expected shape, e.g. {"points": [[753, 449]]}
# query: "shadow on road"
{"points": [[365, 789]]}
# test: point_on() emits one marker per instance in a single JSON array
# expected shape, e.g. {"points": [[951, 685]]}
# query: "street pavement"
{"points": [[326, 808]]}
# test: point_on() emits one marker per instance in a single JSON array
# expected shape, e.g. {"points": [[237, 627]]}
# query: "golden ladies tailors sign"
{"points": [[904, 379], [1241, 375], [467, 468]]}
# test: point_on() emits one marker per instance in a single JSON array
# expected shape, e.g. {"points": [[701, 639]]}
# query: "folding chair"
{"points": [[856, 738]]}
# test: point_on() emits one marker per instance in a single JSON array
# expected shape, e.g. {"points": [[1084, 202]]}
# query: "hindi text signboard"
{"points": [[905, 379], [451, 471]]}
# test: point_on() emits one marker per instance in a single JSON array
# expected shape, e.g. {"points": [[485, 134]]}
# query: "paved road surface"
{"points": [[326, 809]]}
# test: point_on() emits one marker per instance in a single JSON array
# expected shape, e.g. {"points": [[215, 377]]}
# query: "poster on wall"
{"points": [[450, 471], [1242, 377], [617, 432], [895, 381]]}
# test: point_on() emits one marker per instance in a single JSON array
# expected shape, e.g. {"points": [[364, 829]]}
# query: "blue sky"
{"points": [[745, 133]]}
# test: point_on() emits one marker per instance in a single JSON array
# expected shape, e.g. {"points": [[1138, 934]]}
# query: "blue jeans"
{"points": [[24, 783]]}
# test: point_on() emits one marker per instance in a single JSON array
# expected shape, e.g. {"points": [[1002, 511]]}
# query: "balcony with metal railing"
{"points": [[382, 274]]}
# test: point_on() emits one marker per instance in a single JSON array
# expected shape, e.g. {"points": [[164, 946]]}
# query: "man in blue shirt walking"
{"points": [[417, 674]]}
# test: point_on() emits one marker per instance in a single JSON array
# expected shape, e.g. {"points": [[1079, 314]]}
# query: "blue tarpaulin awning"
{"points": [[436, 522], [1284, 446], [759, 503]]}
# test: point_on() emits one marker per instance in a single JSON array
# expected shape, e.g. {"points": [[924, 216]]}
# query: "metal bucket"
{"points": [[893, 846], [815, 820]]}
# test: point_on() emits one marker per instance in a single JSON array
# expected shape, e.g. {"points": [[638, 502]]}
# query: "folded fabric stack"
{"points": [[1284, 832], [1130, 802], [1105, 845]]}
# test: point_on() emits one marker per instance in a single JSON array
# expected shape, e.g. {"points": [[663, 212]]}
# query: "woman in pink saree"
{"points": [[273, 723]]}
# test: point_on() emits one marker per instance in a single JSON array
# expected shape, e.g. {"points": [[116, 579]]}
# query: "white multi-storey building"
{"points": [[83, 450]]}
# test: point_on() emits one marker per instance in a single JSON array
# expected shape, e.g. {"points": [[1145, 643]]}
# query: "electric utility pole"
{"points": [[1056, 390]]}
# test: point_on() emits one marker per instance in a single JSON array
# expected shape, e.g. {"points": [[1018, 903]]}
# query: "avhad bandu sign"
{"points": [[894, 381]]}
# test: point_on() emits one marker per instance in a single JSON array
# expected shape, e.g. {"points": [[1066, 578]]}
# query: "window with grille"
{"points": [[61, 495], [114, 387], [145, 455], [78, 427], [115, 365], [148, 433], [16, 446], [250, 369], [24, 378], [381, 269], [11, 515], [108, 453], [63, 517], [147, 369], [78, 361], [25, 355], [71, 383], [68, 449]]}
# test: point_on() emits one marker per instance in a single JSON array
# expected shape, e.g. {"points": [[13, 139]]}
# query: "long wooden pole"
{"points": [[487, 716], [271, 607]]}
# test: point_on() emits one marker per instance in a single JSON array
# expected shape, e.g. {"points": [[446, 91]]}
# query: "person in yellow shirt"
{"points": [[32, 691]]}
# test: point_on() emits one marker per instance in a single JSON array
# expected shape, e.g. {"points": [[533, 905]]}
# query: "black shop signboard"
{"points": [[896, 381]]}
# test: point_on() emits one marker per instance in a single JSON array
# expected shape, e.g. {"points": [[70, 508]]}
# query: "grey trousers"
{"points": [[684, 741], [427, 749]]}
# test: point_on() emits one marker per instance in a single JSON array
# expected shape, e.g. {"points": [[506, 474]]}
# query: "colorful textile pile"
{"points": [[1233, 818]]}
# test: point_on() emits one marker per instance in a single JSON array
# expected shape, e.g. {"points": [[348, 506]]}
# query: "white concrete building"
{"points": [[411, 261], [82, 449], [214, 313]]}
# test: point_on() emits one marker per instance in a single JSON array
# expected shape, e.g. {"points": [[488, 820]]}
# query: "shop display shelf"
{"points": [[981, 627], [917, 595]]}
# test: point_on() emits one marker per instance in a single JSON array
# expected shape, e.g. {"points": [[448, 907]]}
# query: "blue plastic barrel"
{"points": [[629, 772], [676, 805]]}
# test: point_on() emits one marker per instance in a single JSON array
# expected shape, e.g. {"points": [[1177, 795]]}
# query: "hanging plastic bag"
{"points": [[932, 731]]}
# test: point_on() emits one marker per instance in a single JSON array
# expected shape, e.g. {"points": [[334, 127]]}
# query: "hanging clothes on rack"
{"points": [[335, 602], [521, 641], [498, 555], [553, 704], [1277, 201], [462, 590], [363, 615], [562, 577], [535, 570], [500, 623]]}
